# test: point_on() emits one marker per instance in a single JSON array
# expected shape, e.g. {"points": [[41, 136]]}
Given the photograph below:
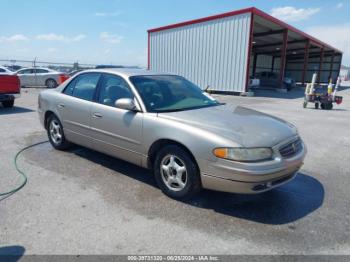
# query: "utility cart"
{"points": [[322, 99]]}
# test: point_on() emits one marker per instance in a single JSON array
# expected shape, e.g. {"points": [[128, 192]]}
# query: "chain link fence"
{"points": [[61, 67]]}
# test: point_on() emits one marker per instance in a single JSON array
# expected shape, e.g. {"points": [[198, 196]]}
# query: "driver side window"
{"points": [[25, 71], [112, 88]]}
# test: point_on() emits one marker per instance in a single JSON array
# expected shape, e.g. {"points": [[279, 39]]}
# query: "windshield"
{"points": [[167, 93]]}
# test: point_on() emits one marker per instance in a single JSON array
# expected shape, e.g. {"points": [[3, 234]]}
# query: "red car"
{"points": [[10, 89]]}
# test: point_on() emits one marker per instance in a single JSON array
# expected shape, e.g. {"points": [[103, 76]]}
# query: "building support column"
{"points": [[273, 64], [306, 62], [250, 47], [320, 66], [331, 68], [283, 57], [340, 62], [254, 63]]}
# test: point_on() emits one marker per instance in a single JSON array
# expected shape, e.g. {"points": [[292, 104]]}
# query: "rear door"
{"points": [[116, 131], [74, 107], [41, 75]]}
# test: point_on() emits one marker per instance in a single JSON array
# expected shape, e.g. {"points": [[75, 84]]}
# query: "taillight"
{"points": [[63, 78]]}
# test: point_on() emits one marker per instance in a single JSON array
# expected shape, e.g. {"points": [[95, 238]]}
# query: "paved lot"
{"points": [[88, 203]]}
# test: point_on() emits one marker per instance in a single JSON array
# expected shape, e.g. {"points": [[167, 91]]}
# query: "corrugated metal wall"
{"points": [[211, 53]]}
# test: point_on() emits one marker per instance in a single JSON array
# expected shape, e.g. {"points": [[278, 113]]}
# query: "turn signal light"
{"points": [[220, 152]]}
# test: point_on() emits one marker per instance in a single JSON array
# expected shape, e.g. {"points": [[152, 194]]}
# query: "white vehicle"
{"points": [[254, 82], [40, 77], [5, 71]]}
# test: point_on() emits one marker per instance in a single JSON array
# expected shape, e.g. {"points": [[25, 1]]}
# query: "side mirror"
{"points": [[126, 103]]}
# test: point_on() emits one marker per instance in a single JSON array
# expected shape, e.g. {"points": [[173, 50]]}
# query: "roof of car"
{"points": [[127, 72], [36, 68]]}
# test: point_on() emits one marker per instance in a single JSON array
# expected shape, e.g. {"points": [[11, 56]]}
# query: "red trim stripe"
{"points": [[292, 28], [201, 20]]}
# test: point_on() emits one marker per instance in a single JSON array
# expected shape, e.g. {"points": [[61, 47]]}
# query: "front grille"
{"points": [[291, 149]]}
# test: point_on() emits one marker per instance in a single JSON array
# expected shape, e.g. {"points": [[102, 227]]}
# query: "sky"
{"points": [[115, 31]]}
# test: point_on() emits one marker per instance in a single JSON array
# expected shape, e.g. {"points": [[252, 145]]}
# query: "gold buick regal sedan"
{"points": [[166, 123]]}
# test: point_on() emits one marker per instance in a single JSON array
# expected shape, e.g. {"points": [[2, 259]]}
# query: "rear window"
{"points": [[83, 86], [41, 71]]}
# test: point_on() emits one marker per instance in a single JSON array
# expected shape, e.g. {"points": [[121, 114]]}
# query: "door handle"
{"points": [[97, 115], [60, 106]]}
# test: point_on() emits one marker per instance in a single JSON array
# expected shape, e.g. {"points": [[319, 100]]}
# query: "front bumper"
{"points": [[250, 178]]}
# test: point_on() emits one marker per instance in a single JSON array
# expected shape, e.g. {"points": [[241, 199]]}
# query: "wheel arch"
{"points": [[157, 145], [47, 116]]}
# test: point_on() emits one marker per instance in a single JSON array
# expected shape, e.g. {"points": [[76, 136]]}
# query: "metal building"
{"points": [[224, 50]]}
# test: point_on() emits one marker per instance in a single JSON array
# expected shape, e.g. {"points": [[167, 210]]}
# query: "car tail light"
{"points": [[63, 78]]}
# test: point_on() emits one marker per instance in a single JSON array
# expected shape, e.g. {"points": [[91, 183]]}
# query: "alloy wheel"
{"points": [[55, 132], [173, 172]]}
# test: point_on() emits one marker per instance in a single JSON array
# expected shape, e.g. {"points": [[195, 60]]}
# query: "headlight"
{"points": [[244, 154]]}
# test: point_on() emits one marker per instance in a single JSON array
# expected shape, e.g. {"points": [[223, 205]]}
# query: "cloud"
{"points": [[292, 14], [52, 50], [110, 38], [22, 50], [336, 35], [106, 14], [13, 38], [339, 5], [60, 38]]}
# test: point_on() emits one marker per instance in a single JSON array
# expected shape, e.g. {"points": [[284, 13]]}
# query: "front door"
{"points": [[116, 132], [26, 77]]}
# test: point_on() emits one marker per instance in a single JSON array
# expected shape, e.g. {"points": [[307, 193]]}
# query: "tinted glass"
{"points": [[163, 93], [41, 71], [25, 71], [83, 86], [2, 70], [113, 88], [70, 87]]}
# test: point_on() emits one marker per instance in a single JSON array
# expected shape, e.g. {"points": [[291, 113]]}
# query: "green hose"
{"points": [[23, 175]]}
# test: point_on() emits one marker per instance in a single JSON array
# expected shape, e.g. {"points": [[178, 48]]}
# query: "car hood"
{"points": [[244, 126]]}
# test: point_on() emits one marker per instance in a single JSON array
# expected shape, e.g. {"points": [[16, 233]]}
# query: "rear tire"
{"points": [[56, 134], [329, 106], [176, 173], [51, 83], [8, 103]]}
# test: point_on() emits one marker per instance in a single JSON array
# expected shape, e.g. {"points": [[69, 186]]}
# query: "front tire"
{"points": [[8, 103], [56, 134], [176, 173], [51, 83]]}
